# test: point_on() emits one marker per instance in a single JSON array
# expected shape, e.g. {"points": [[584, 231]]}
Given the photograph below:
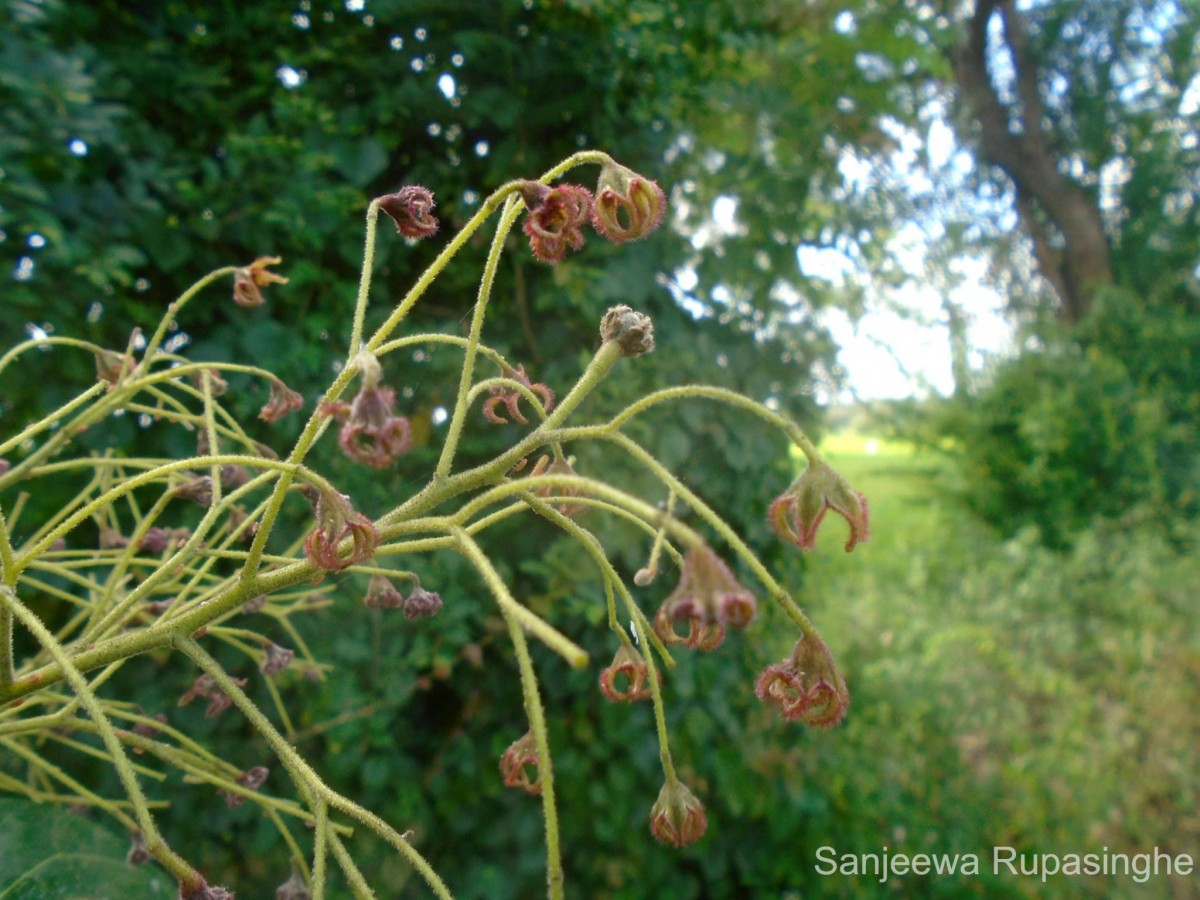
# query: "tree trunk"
{"points": [[1061, 218]]}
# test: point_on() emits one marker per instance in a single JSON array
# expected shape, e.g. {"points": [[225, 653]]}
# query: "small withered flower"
{"points": [[338, 519], [277, 659], [677, 817], [410, 208], [796, 514], [372, 433], [382, 594], [205, 688], [294, 888], [511, 397], [198, 490], [518, 759], [5, 465], [251, 780], [249, 279], [282, 400], [548, 465], [139, 853], [628, 207], [555, 218], [112, 366], [708, 598], [421, 604], [237, 521], [111, 539], [627, 679], [632, 331], [807, 686]]}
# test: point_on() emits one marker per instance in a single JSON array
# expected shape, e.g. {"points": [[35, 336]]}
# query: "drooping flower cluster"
{"points": [[556, 218], [338, 519], [707, 598], [249, 279], [626, 207], [411, 209], [797, 513], [371, 432], [516, 762], [627, 679], [510, 398], [677, 817], [807, 686]]}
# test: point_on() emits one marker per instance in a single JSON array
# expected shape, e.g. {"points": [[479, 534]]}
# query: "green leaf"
{"points": [[47, 853]]}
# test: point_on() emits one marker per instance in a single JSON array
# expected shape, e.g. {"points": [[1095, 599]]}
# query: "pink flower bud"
{"points": [[797, 513], [807, 686], [708, 598], [410, 208], [677, 817], [555, 218], [518, 759], [626, 679], [628, 207]]}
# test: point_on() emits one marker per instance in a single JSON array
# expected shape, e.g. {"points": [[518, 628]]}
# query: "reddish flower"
{"points": [[807, 686], [337, 519], [372, 433], [511, 397], [630, 667], [382, 594], [797, 513], [248, 279], [628, 207], [677, 817], [555, 218], [282, 401], [518, 759], [410, 209], [708, 598], [294, 888]]}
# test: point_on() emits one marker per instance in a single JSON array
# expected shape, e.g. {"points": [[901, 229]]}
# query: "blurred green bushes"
{"points": [[1101, 422]]}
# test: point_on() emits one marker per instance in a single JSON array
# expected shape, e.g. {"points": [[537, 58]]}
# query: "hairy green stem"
{"points": [[533, 708]]}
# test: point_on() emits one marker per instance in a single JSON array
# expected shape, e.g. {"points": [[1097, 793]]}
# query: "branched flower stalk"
{"points": [[112, 575]]}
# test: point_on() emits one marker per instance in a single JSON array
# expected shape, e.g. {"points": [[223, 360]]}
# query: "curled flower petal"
{"points": [[677, 817], [807, 686], [628, 207], [411, 209], [797, 513], [555, 218], [282, 401], [708, 598], [517, 760], [626, 680], [511, 397]]}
